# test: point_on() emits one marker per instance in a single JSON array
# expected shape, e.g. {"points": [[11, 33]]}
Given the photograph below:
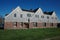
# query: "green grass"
{"points": [[29, 34]]}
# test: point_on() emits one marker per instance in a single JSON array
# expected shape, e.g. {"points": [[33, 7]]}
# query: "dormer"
{"points": [[39, 11], [54, 14], [18, 9]]}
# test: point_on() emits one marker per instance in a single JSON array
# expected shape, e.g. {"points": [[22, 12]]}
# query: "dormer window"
{"points": [[37, 16], [29, 15], [47, 17], [55, 17], [14, 15]]}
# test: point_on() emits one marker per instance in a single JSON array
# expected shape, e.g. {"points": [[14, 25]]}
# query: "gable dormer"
{"points": [[17, 9], [39, 11], [54, 14]]}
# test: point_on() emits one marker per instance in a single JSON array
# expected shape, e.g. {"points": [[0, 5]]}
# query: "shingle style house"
{"points": [[21, 19]]}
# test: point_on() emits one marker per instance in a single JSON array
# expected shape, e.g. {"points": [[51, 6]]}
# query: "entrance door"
{"points": [[27, 25]]}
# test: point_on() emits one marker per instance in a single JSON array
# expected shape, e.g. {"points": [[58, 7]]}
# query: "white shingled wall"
{"points": [[18, 11]]}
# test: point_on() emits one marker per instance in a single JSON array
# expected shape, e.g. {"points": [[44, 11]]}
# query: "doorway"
{"points": [[26, 25]]}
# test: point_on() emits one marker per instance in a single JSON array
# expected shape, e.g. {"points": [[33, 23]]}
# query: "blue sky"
{"points": [[6, 6]]}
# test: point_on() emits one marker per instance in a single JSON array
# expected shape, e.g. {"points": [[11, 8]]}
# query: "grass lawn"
{"points": [[29, 34]]}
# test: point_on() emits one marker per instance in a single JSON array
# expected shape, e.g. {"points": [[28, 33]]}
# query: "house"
{"points": [[21, 19]]}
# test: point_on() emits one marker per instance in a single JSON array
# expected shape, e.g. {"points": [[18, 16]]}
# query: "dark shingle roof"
{"points": [[48, 13], [30, 10]]}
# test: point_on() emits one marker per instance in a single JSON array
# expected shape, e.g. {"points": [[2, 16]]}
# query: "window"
{"points": [[37, 16], [21, 15], [15, 24], [52, 17], [47, 17], [55, 17], [51, 24], [21, 23], [44, 24], [29, 15], [14, 15], [35, 24], [42, 16], [28, 20]]}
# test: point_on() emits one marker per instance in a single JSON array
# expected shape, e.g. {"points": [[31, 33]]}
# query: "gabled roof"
{"points": [[34, 10]]}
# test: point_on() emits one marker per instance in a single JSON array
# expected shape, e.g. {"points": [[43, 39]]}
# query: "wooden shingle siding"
{"points": [[26, 19]]}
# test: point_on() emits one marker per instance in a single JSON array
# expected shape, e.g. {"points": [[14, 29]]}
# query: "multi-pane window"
{"points": [[37, 16], [51, 24], [44, 24], [21, 23], [55, 17], [35, 24], [15, 24], [29, 15], [42, 16], [52, 17], [28, 20], [47, 17], [14, 15], [21, 15]]}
